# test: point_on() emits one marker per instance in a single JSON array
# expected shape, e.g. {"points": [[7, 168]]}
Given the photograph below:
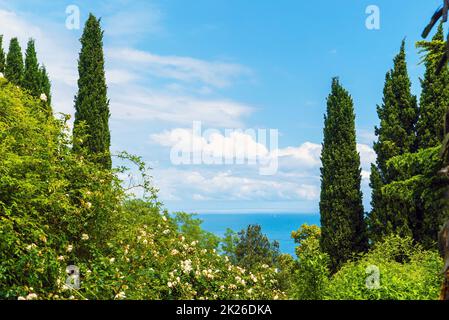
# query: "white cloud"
{"points": [[186, 69], [367, 156], [174, 184], [307, 155], [136, 103]]}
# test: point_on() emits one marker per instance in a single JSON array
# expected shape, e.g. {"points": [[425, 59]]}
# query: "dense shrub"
{"points": [[406, 272], [60, 209]]}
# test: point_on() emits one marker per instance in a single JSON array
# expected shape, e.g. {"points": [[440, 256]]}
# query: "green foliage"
{"points": [[32, 76], [398, 116], [59, 208], [91, 102], [2, 56], [406, 272], [150, 259], [418, 194], [311, 274], [49, 197], [342, 216], [14, 63], [45, 86], [435, 93], [252, 248], [191, 229]]}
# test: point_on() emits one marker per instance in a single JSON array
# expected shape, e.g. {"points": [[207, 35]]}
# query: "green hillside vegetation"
{"points": [[69, 229]]}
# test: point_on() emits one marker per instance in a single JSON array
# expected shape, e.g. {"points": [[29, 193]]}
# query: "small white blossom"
{"points": [[31, 247], [85, 237], [19, 298], [120, 296], [112, 260], [31, 296], [186, 266], [69, 248], [43, 97]]}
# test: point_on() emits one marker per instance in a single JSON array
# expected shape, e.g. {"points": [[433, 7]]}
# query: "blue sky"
{"points": [[231, 64]]}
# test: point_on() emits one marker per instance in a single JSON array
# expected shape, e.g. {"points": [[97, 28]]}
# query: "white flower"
{"points": [[186, 266], [43, 97], [31, 296], [253, 277], [164, 218], [112, 260], [85, 237], [167, 231], [120, 296], [88, 205], [69, 248], [174, 252], [170, 285], [19, 298], [61, 258], [31, 247]]}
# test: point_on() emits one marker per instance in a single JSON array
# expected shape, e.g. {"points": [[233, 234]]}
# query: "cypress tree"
{"points": [[45, 84], [396, 134], [341, 208], [14, 63], [32, 76], [91, 102], [435, 93], [2, 56]]}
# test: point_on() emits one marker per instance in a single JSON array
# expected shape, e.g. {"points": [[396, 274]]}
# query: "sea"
{"points": [[276, 226]]}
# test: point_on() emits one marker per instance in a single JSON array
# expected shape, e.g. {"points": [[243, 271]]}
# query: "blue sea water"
{"points": [[276, 226]]}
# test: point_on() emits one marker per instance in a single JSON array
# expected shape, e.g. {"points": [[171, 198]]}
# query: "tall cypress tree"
{"points": [[2, 56], [91, 102], [45, 84], [435, 93], [32, 76], [341, 208], [14, 63], [396, 134]]}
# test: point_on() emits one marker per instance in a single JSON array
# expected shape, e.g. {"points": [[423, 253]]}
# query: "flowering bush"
{"points": [[59, 209]]}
